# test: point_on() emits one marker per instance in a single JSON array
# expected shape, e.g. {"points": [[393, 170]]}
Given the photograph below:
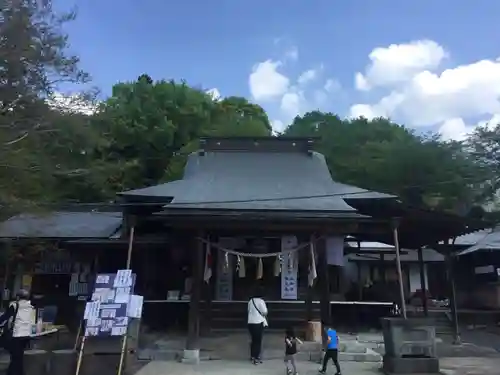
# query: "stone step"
{"points": [[175, 355]]}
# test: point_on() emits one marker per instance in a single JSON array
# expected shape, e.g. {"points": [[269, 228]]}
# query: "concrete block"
{"points": [[354, 347], [368, 356], [36, 362], [392, 365], [63, 362], [191, 356], [309, 346]]}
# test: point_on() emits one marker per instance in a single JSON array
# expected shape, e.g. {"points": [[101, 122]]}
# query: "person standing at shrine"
{"points": [[17, 324], [257, 321]]}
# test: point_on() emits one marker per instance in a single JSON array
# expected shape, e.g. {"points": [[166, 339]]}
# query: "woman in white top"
{"points": [[17, 322], [257, 314]]}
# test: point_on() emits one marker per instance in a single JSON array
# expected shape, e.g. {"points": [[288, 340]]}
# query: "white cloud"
{"points": [[266, 82], [307, 76], [399, 62], [452, 99], [332, 85], [214, 93], [72, 103], [292, 54], [456, 128], [293, 103], [269, 85], [277, 125]]}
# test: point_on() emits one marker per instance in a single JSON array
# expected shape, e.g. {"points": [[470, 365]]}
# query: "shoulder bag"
{"points": [[260, 312]]}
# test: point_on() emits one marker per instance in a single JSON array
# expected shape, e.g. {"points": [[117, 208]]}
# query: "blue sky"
{"points": [[434, 81]]}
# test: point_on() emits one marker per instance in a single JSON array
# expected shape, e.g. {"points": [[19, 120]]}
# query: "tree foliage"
{"points": [[33, 63], [484, 147], [384, 156], [147, 128]]}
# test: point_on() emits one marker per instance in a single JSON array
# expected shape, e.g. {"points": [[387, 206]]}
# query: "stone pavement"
{"points": [[449, 366], [246, 368], [470, 366]]}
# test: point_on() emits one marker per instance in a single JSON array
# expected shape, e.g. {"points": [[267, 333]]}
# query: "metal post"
{"points": [[423, 284], [400, 272]]}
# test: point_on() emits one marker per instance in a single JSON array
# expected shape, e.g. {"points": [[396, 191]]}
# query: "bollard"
{"points": [[36, 362], [63, 362]]}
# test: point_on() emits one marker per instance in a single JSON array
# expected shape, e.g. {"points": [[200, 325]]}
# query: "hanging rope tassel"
{"points": [[241, 269], [260, 269], [290, 262], [312, 265], [277, 266], [226, 262]]}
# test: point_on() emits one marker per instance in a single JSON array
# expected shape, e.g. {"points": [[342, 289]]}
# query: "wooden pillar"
{"points": [[209, 292], [309, 288], [400, 272], [192, 342], [324, 281], [382, 268], [453, 300], [360, 281], [423, 284]]}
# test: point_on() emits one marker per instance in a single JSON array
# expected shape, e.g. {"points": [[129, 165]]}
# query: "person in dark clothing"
{"points": [[291, 341], [17, 325]]}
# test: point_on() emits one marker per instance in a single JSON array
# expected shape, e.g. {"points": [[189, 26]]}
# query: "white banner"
{"points": [[224, 280], [289, 269], [335, 251]]}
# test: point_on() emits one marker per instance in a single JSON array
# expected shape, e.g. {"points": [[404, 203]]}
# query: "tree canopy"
{"points": [[141, 134]]}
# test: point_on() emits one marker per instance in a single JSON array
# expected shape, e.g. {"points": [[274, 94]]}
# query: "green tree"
{"points": [[148, 128], [33, 62], [381, 155], [483, 146]]}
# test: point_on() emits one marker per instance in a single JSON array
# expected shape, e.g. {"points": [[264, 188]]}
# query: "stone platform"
{"points": [[234, 346]]}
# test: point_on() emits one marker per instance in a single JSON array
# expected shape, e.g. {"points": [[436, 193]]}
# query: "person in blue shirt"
{"points": [[332, 351]]}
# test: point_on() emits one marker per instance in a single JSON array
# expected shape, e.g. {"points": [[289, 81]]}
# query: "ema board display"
{"points": [[112, 305]]}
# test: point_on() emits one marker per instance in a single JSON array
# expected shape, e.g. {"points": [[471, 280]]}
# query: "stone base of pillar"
{"points": [[191, 356]]}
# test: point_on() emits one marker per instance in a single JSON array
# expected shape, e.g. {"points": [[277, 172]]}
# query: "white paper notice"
{"points": [[103, 295], [92, 310], [108, 313], [134, 308], [91, 331], [102, 279], [118, 331], [122, 295], [123, 279], [93, 323]]}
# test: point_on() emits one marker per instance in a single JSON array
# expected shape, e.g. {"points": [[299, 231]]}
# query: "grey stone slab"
{"points": [[246, 368]]}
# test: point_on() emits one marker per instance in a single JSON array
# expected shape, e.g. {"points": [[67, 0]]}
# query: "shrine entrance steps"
{"points": [[234, 346]]}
